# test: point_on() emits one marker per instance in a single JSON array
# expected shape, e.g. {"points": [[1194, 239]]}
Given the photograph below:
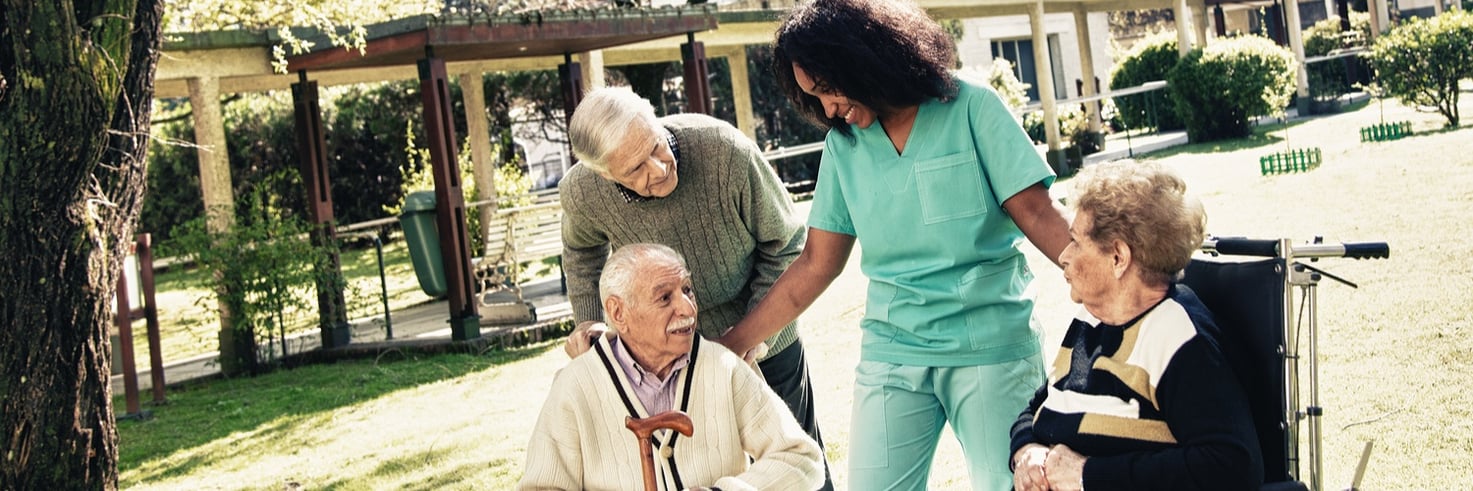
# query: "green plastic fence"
{"points": [[1295, 160], [1385, 131]]}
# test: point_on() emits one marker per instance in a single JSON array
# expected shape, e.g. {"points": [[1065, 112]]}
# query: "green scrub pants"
{"points": [[899, 411]]}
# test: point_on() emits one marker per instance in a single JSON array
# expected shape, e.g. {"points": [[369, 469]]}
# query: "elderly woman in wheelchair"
{"points": [[1140, 395]]}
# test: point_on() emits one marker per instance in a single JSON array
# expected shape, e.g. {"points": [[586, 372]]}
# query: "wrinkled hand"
{"points": [[754, 354], [1065, 469], [583, 336], [1028, 468]]}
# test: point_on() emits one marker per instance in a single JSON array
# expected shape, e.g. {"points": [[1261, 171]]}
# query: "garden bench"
{"points": [[518, 236]]}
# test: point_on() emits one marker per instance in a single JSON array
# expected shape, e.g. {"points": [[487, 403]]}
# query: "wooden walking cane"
{"points": [[644, 427]]}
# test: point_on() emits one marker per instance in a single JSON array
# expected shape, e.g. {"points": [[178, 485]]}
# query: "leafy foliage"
{"points": [[1218, 88], [366, 141], [340, 21], [260, 142], [1332, 78], [778, 124], [1126, 23], [1001, 78], [264, 267], [1149, 60], [1421, 61], [173, 195]]}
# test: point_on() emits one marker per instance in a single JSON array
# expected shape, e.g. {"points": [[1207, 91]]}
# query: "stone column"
{"points": [[1296, 45], [1087, 66], [741, 92], [1044, 68], [236, 349], [478, 135], [592, 63], [1183, 26]]}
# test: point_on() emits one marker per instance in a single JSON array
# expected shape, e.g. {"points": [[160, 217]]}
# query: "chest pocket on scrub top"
{"points": [[950, 187]]}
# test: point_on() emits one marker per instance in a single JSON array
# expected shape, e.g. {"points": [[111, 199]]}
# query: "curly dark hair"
{"points": [[885, 54]]}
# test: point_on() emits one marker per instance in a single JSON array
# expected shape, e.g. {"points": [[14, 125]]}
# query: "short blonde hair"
{"points": [[1145, 206], [601, 121]]}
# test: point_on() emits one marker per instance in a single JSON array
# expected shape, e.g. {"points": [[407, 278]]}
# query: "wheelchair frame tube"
{"points": [[1316, 460], [1291, 360]]}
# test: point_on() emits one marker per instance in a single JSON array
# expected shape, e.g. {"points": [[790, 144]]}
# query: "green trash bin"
{"points": [[418, 222]]}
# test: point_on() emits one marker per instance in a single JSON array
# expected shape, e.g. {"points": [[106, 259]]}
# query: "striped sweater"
{"points": [[1152, 404], [580, 441], [730, 216]]}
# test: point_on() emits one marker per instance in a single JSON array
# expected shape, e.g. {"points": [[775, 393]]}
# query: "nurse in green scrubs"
{"points": [[940, 186]]}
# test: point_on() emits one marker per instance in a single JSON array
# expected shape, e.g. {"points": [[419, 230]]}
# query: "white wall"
{"points": [[975, 47]]}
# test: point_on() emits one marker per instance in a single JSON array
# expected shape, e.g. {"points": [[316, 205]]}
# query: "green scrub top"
{"points": [[947, 279]]}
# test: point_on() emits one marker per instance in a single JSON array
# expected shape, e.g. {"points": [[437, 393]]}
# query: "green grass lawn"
{"points": [[1396, 353]]}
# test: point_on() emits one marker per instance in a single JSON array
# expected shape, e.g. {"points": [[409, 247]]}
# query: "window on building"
{"points": [[1020, 53]]}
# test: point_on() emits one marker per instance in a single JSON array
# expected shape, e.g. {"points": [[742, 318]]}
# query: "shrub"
{"points": [[1331, 78], [1150, 59], [1218, 88], [1421, 61], [1073, 124], [1001, 78], [265, 268]]}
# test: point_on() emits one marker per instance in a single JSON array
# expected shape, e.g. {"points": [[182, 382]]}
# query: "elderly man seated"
{"points": [[744, 438]]}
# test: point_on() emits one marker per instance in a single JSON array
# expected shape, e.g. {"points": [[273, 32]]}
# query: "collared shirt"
{"points": [[655, 394], [632, 197]]}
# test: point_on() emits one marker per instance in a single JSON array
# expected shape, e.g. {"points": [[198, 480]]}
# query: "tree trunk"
{"points": [[76, 85]]}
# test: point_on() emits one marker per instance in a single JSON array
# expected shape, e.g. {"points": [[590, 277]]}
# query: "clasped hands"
{"points": [[583, 336], [1040, 468]]}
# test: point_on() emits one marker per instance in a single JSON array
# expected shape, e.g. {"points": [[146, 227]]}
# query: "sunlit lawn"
{"points": [[1396, 353]]}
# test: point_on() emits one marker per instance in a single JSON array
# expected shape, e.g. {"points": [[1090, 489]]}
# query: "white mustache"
{"points": [[685, 323]]}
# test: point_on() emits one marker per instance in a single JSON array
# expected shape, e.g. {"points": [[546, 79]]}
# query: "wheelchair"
{"points": [[1254, 302]]}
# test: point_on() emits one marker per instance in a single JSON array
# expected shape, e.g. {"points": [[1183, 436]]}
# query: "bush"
{"points": [[1421, 61], [1001, 78], [259, 141], [265, 268], [1332, 78], [1218, 88], [173, 195], [1149, 60]]}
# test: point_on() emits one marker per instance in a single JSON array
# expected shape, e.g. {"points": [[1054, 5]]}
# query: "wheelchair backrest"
{"points": [[1247, 300]]}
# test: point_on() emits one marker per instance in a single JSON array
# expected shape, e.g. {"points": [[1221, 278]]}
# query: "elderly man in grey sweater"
{"points": [[699, 186]]}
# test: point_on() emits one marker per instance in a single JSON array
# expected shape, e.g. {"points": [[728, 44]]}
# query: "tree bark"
{"points": [[76, 85]]}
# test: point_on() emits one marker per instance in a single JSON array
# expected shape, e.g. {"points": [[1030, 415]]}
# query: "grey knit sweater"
{"points": [[729, 215]]}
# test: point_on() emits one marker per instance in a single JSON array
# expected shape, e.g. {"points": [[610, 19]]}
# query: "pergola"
{"points": [[579, 43]]}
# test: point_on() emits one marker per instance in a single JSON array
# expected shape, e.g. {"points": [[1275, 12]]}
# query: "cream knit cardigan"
{"points": [[580, 441]]}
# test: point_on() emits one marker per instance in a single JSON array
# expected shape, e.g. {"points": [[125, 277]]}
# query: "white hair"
{"points": [[601, 121], [624, 264]]}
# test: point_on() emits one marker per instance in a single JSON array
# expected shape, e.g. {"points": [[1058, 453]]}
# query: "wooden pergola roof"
{"points": [[541, 33]]}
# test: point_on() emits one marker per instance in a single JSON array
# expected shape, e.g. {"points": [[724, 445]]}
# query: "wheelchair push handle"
{"points": [[1238, 246], [1367, 250]]}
